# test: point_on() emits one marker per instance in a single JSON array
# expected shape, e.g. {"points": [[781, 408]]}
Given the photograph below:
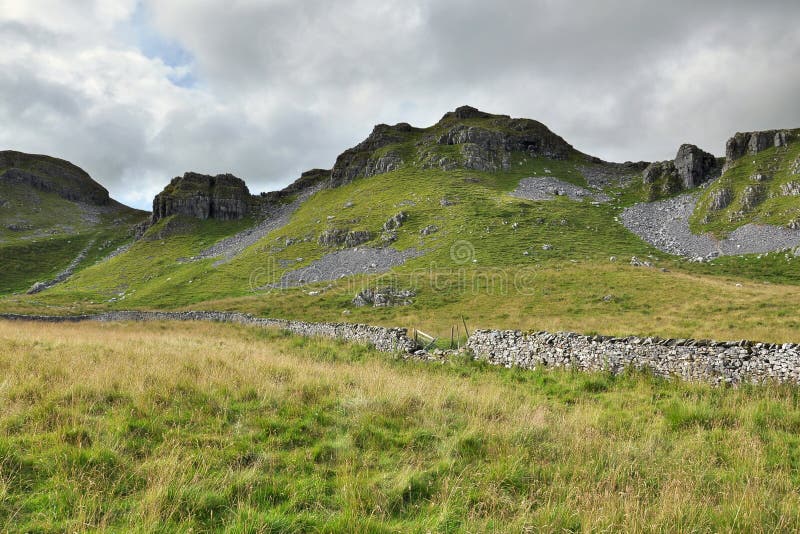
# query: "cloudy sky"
{"points": [[138, 91]]}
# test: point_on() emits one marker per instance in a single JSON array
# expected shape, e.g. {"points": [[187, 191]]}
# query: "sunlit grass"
{"points": [[178, 427]]}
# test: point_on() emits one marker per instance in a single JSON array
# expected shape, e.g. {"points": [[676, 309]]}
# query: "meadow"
{"points": [[163, 427]]}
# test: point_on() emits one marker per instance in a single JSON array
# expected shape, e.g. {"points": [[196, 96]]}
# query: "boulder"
{"points": [[223, 197], [430, 229], [395, 221], [383, 297], [335, 237]]}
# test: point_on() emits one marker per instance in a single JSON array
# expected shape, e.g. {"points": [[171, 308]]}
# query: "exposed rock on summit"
{"points": [[52, 175], [223, 197], [484, 142], [489, 146]]}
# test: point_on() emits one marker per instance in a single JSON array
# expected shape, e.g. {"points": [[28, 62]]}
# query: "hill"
{"points": [[52, 213], [482, 218]]}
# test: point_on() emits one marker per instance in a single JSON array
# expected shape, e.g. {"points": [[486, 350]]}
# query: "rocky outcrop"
{"points": [[691, 167], [223, 197], [694, 166], [468, 112], [752, 196], [309, 180], [790, 189], [395, 221], [428, 230], [362, 160], [743, 143], [720, 199], [484, 147], [383, 297], [489, 147], [335, 237], [51, 175]]}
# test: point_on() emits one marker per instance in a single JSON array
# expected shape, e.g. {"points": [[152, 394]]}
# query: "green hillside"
{"points": [[476, 253], [761, 188], [51, 211]]}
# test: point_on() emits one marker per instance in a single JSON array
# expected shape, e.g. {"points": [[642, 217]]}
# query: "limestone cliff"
{"points": [[743, 143], [465, 138], [691, 167], [222, 197]]}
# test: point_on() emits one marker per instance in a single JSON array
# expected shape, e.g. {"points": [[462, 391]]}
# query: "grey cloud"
{"points": [[287, 85]]}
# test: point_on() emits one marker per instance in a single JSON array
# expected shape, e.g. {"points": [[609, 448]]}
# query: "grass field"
{"points": [[199, 427]]}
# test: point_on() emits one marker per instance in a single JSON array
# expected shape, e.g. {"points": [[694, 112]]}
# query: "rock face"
{"points": [[362, 160], [752, 196], [720, 199], [223, 197], [487, 146], [694, 165], [51, 175], [691, 167], [743, 143]]}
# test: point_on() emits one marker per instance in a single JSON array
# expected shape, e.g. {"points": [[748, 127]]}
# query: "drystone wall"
{"points": [[693, 360], [717, 362], [383, 339]]}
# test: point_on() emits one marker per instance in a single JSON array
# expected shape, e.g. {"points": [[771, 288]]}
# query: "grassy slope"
{"points": [[199, 427], [561, 288], [55, 231], [776, 209]]}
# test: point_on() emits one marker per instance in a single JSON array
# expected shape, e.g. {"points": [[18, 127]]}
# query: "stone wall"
{"points": [[728, 362], [383, 339], [693, 360]]}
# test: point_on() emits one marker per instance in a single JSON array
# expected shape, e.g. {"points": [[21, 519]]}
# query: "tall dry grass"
{"points": [[194, 426]]}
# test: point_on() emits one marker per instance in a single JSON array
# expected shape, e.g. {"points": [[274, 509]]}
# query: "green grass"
{"points": [[200, 427]]}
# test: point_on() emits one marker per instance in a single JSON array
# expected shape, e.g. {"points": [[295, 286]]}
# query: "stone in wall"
{"points": [[729, 362]]}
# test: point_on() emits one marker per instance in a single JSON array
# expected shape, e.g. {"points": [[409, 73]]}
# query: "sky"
{"points": [[138, 91]]}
